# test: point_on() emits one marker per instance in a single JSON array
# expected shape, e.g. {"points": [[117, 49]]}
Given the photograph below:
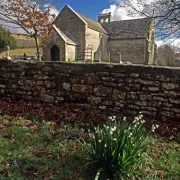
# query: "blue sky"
{"points": [[90, 8]]}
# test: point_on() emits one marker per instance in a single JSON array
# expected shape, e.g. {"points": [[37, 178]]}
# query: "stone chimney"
{"points": [[106, 17]]}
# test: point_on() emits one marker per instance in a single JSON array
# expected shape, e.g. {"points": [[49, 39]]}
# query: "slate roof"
{"points": [[66, 36], [134, 28], [93, 24]]}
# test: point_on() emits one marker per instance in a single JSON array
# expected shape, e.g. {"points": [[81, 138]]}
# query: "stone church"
{"points": [[77, 37]]}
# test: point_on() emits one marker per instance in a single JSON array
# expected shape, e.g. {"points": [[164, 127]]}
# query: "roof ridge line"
{"points": [[75, 13], [88, 17], [127, 20]]}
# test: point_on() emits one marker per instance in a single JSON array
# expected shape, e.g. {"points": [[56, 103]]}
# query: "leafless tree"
{"points": [[166, 14], [33, 16], [166, 55]]}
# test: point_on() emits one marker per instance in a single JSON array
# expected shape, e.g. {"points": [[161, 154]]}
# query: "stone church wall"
{"points": [[71, 52], [59, 42], [133, 50], [121, 89], [98, 42], [68, 20]]}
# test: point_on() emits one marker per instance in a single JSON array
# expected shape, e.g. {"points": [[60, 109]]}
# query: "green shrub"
{"points": [[6, 40], [116, 147]]}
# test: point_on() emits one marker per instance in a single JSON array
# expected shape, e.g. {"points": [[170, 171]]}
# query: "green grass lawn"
{"points": [[45, 150]]}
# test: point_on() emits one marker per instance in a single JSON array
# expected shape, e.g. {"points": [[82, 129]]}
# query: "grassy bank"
{"points": [[20, 52], [44, 150]]}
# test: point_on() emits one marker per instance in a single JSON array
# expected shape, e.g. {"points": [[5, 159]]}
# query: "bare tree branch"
{"points": [[166, 14], [33, 16]]}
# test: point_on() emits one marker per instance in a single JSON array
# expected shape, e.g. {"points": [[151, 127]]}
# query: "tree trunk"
{"points": [[37, 48]]}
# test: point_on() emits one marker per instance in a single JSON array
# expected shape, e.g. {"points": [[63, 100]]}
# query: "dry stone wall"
{"points": [[124, 89]]}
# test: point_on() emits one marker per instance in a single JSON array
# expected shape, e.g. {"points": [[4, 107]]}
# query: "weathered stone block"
{"points": [[145, 82], [130, 80], [46, 69], [47, 98], [82, 88], [42, 77], [102, 107], [167, 105], [94, 100], [14, 86], [119, 75], [165, 118], [167, 113], [147, 76], [2, 86], [112, 79], [172, 93], [119, 104], [59, 99], [134, 107], [131, 95], [17, 69], [28, 98], [102, 74], [26, 88], [161, 99], [22, 92], [153, 89], [145, 97], [41, 90], [107, 103], [124, 87], [141, 103], [149, 108], [76, 80], [164, 78], [49, 84], [67, 86], [134, 87], [91, 78], [52, 92], [30, 82], [174, 100], [155, 104], [134, 75], [21, 82], [119, 94], [110, 84], [170, 86], [102, 91], [175, 110], [39, 83], [149, 113]]}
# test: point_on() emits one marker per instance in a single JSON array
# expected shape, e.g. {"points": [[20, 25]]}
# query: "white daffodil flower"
{"points": [[113, 129], [124, 119]]}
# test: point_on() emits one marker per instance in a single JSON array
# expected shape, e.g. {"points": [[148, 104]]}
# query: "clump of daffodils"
{"points": [[154, 127], [113, 118], [117, 146], [139, 119]]}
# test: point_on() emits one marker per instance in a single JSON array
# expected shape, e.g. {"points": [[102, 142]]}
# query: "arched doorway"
{"points": [[55, 53]]}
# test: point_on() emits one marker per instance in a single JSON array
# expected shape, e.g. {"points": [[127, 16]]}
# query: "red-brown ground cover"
{"points": [[76, 115]]}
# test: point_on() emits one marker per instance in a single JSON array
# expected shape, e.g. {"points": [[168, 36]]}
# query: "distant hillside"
{"points": [[24, 41], [21, 36]]}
